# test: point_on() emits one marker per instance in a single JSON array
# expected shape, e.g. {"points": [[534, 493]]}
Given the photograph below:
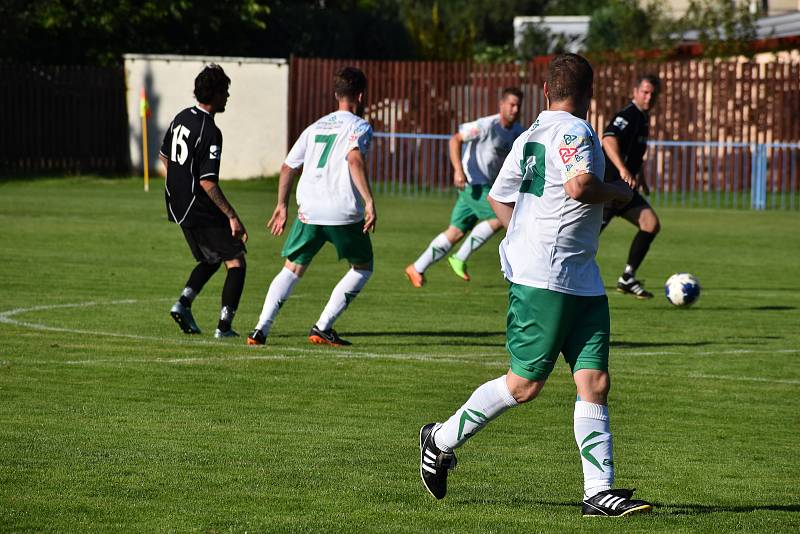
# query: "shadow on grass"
{"points": [[662, 507], [471, 334], [696, 509]]}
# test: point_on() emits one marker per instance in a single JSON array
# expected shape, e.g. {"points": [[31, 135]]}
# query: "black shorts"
{"points": [[213, 244], [610, 210]]}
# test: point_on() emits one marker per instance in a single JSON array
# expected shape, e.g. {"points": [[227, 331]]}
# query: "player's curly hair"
{"points": [[349, 82], [569, 76], [211, 81]]}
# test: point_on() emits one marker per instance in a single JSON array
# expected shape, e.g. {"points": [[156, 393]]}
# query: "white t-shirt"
{"points": [[487, 145], [326, 193], [552, 239]]}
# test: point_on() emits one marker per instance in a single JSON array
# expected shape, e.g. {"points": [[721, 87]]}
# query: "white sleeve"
{"points": [[575, 150], [471, 131], [506, 185], [297, 154], [360, 138]]}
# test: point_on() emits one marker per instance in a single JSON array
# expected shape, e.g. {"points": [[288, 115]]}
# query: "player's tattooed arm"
{"points": [[216, 195], [611, 146]]}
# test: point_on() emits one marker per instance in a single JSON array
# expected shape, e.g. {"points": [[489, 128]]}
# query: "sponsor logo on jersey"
{"points": [[566, 153], [568, 139], [620, 123], [213, 152]]}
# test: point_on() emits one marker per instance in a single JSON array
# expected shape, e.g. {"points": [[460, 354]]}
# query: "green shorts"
{"points": [[305, 240], [472, 206], [543, 323]]}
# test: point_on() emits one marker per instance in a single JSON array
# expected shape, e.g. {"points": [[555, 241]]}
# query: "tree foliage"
{"points": [[724, 28]]}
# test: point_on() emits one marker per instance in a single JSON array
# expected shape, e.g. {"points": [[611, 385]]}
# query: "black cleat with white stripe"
{"points": [[433, 462], [614, 503]]}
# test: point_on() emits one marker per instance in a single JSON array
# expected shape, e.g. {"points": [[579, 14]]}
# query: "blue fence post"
{"points": [[758, 180]]}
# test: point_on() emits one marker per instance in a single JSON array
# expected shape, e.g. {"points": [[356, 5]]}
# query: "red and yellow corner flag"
{"points": [[144, 112]]}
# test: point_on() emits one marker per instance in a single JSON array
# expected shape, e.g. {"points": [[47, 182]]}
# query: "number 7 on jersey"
{"points": [[328, 141]]}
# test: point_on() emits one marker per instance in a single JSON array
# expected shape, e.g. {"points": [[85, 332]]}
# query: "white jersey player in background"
{"points": [[477, 152], [334, 204], [550, 194]]}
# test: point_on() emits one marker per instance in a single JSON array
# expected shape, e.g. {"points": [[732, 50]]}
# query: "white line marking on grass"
{"points": [[482, 358]]}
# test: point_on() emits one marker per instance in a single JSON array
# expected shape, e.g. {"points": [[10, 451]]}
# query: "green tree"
{"points": [[723, 28]]}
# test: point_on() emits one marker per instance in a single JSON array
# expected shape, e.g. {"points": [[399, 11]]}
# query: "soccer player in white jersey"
{"points": [[549, 195], [477, 152], [334, 204]]}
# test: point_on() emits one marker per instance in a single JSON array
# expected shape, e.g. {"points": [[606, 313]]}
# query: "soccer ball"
{"points": [[682, 289]]}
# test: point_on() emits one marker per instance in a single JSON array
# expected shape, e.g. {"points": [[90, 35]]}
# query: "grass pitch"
{"points": [[112, 420]]}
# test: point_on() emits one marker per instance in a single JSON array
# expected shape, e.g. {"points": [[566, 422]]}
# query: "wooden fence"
{"points": [[717, 102], [62, 119]]}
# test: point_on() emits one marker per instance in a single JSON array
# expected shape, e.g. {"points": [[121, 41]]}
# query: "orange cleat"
{"points": [[416, 279]]}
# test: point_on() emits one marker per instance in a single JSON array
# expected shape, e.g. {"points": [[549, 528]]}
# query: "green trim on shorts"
{"points": [[472, 205], [305, 240], [542, 324]]}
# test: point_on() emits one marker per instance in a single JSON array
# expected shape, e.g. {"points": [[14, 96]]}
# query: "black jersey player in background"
{"points": [[191, 153], [624, 145]]}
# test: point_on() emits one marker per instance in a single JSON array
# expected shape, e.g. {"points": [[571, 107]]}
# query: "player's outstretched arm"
{"points": [[611, 146], [589, 189], [459, 178], [214, 192], [277, 223], [358, 172]]}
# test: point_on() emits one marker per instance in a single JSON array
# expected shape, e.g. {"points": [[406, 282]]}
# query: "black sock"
{"points": [[201, 274], [231, 293], [639, 247]]}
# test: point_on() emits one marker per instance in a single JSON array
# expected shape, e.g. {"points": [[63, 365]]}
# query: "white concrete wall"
{"points": [[255, 122]]}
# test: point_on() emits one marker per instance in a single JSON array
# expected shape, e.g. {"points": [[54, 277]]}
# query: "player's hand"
{"points": [[277, 222], [628, 178], [370, 217], [459, 180], [238, 230]]}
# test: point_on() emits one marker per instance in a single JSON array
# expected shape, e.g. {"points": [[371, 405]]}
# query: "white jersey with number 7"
{"points": [[326, 194]]}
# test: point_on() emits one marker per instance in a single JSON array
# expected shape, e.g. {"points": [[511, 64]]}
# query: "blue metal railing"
{"points": [[680, 173]]}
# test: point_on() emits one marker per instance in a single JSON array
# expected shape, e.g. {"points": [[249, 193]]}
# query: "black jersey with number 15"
{"points": [[193, 148], [631, 128]]}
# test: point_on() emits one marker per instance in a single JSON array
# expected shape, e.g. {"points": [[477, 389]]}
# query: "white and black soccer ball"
{"points": [[682, 289]]}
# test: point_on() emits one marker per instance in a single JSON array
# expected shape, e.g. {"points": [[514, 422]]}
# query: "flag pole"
{"points": [[144, 111]]}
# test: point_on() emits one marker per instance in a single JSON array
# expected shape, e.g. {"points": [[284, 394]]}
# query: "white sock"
{"points": [[278, 292], [593, 436], [345, 291], [487, 402], [480, 234], [437, 250]]}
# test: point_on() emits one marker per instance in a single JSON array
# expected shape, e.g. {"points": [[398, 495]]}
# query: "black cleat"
{"points": [[326, 337], [433, 462], [221, 334], [614, 503], [257, 337], [183, 316], [633, 287]]}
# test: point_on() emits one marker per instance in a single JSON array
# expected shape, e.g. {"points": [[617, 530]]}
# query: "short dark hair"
{"points": [[652, 79], [569, 76], [211, 81], [349, 82], [514, 91]]}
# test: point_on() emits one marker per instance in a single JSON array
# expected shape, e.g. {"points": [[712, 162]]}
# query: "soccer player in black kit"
{"points": [[191, 153], [624, 145]]}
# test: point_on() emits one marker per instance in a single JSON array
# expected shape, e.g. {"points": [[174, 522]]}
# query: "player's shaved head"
{"points": [[349, 82], [211, 81], [569, 77]]}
